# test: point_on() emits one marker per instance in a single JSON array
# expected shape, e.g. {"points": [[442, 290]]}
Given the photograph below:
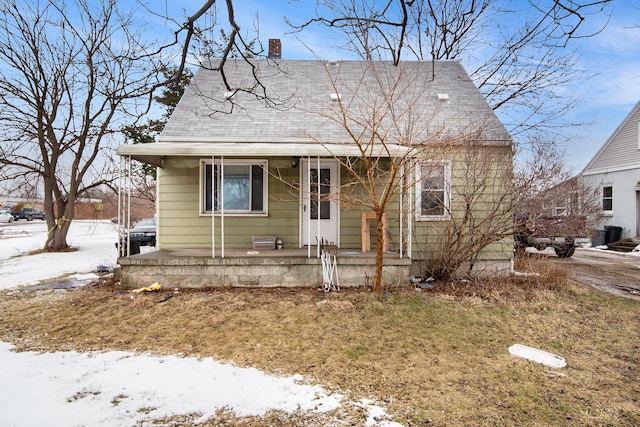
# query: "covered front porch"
{"points": [[202, 243], [289, 267]]}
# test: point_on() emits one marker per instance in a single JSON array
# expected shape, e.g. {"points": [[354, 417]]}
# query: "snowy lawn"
{"points": [[123, 388], [94, 240], [120, 388]]}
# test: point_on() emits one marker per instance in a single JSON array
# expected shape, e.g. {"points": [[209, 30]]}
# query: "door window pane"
{"points": [[321, 193]]}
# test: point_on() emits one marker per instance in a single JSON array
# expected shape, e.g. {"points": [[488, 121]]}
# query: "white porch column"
{"points": [[222, 205], [318, 209], [128, 192], [400, 214], [412, 189], [213, 207], [307, 215], [121, 204]]}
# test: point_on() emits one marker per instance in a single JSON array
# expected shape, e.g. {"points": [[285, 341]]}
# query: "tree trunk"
{"points": [[58, 227], [377, 286]]}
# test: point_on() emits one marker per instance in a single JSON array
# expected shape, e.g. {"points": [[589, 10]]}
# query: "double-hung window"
{"points": [[433, 190], [607, 198], [235, 187]]}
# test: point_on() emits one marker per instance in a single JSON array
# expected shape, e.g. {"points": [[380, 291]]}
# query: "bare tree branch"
{"points": [[68, 79], [520, 65]]}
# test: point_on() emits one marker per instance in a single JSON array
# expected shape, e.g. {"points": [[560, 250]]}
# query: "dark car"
{"points": [[144, 232], [28, 213], [141, 234]]}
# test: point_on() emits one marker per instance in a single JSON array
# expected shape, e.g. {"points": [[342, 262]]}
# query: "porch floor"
{"points": [[196, 268], [249, 253]]}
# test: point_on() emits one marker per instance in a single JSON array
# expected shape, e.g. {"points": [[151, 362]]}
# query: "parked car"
{"points": [[143, 233], [28, 213], [5, 215]]}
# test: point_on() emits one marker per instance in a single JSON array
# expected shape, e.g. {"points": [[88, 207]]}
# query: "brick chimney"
{"points": [[275, 49]]}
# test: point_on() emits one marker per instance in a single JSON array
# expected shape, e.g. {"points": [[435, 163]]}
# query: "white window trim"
{"points": [[447, 190], [560, 211], [249, 162], [605, 212], [578, 199]]}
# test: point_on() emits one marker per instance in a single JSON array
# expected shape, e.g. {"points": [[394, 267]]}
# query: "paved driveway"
{"points": [[609, 271]]}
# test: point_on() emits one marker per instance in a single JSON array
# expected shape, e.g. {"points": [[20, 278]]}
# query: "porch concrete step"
{"points": [[624, 245]]}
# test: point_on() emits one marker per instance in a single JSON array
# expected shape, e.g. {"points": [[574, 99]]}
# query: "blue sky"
{"points": [[612, 56]]}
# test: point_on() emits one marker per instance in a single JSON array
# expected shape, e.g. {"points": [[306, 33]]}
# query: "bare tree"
{"points": [[144, 175], [517, 67], [68, 76], [544, 189], [73, 73], [480, 215], [543, 169], [389, 115]]}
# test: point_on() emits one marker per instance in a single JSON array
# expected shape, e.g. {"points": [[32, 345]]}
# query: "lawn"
{"points": [[435, 357]]}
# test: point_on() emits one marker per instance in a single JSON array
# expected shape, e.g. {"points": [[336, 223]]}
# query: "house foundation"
{"points": [[180, 269]]}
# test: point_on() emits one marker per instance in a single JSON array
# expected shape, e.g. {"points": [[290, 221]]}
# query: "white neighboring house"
{"points": [[616, 170]]}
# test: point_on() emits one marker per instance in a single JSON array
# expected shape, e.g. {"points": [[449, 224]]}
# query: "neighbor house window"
{"points": [[433, 190], [574, 202], [240, 187], [607, 198]]}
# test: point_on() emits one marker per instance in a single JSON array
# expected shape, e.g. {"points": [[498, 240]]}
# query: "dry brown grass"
{"points": [[435, 358]]}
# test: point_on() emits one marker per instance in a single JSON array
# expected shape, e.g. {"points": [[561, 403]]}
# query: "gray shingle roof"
{"points": [[399, 103]]}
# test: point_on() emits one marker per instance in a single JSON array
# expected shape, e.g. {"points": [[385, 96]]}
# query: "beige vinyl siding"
{"points": [[182, 225], [350, 228], [622, 148], [483, 177], [350, 217]]}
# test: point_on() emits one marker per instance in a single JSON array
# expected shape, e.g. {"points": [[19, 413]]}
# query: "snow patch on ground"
{"points": [[94, 242], [122, 388]]}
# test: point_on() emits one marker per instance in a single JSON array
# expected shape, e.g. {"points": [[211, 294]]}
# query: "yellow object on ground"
{"points": [[154, 287]]}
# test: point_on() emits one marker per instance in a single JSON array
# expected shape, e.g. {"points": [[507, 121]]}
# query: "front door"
{"points": [[319, 208]]}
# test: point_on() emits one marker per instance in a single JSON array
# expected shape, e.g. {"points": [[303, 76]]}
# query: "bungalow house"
{"points": [[615, 170], [282, 157]]}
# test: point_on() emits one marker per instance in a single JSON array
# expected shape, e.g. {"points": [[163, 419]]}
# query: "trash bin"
{"points": [[612, 234], [135, 247], [598, 237]]}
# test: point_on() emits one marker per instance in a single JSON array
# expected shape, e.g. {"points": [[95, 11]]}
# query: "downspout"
{"points": [[513, 272]]}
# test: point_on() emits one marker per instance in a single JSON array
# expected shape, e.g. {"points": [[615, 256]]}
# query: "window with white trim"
{"points": [[433, 190], [607, 198], [240, 187], [574, 202]]}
